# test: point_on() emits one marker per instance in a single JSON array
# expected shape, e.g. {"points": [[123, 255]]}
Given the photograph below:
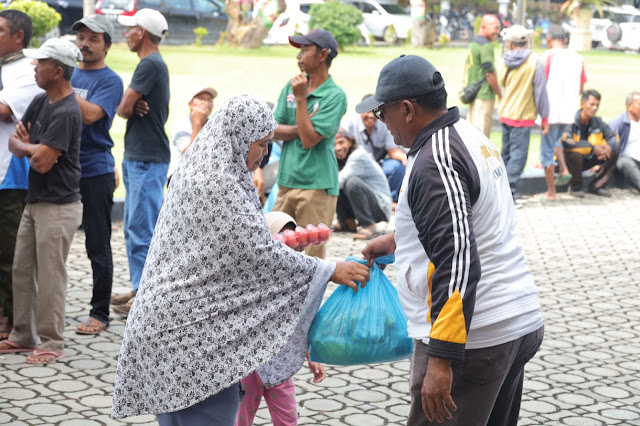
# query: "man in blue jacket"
{"points": [[627, 127]]}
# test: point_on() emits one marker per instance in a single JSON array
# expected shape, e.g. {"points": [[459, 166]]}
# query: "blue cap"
{"points": [[407, 76], [321, 38]]}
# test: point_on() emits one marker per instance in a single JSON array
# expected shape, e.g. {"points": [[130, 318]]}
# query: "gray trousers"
{"points": [[631, 170], [487, 385], [220, 409]]}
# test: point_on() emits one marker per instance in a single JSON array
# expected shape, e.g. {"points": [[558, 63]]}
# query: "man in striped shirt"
{"points": [[469, 297]]}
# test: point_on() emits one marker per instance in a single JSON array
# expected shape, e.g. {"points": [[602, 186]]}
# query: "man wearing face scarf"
{"points": [[219, 298]]}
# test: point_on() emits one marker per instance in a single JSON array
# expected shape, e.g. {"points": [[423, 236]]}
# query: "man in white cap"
{"points": [[49, 136], [185, 130], [145, 105], [525, 96], [98, 92]]}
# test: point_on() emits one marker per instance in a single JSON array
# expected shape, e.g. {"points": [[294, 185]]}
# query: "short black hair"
{"points": [[588, 93], [18, 21], [154, 38], [436, 100], [556, 32], [67, 71], [329, 58]]}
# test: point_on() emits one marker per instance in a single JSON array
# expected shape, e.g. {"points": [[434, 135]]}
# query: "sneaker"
{"points": [[121, 299], [601, 192], [578, 194], [124, 308]]}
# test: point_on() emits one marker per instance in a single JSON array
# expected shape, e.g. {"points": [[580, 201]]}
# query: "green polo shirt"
{"points": [[315, 168], [479, 61]]}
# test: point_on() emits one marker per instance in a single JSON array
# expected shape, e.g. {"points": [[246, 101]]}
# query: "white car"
{"points": [[385, 19], [627, 36], [295, 20]]}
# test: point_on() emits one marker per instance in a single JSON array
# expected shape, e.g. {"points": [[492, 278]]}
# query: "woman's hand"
{"points": [[381, 246], [347, 273]]}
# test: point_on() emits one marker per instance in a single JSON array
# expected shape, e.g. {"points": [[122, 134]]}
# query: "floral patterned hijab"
{"points": [[218, 298]]}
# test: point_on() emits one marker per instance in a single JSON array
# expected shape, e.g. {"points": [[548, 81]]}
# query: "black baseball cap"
{"points": [[407, 76], [321, 38]]}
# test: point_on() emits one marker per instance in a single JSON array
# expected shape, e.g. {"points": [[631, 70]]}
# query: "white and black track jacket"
{"points": [[462, 276]]}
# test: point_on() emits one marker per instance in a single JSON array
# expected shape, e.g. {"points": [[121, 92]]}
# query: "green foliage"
{"points": [[339, 19], [43, 17], [570, 6], [444, 40], [476, 24], [200, 32]]}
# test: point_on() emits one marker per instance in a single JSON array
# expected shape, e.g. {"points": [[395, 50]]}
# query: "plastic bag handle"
{"points": [[382, 260]]}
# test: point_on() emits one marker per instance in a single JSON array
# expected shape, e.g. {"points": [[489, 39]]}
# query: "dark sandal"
{"points": [[366, 234], [341, 227], [91, 322]]}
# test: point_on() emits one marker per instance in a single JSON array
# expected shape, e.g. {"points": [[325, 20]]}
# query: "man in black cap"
{"points": [[98, 92], [469, 297], [308, 113]]}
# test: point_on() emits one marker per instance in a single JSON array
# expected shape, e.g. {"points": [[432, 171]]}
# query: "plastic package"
{"points": [[364, 327]]}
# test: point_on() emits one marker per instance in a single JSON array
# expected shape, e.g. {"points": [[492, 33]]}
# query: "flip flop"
{"points": [[15, 348], [543, 199], [89, 323], [37, 352], [366, 234], [563, 180], [341, 227]]}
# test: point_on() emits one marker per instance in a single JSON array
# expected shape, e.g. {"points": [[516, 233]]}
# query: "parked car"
{"points": [[183, 16], [384, 19], [70, 10], [295, 20], [624, 33]]}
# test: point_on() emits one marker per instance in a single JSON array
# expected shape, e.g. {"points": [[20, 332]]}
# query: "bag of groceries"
{"points": [[364, 327]]}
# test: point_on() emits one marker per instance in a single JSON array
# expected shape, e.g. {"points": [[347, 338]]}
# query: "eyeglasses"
{"points": [[379, 111]]}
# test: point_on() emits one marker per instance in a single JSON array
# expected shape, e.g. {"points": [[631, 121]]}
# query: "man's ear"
{"points": [[18, 36], [324, 54], [409, 111]]}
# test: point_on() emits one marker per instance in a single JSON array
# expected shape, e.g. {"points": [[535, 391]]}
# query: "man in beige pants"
{"points": [[49, 136]]}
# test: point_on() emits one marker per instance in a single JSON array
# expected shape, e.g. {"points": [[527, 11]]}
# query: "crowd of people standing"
{"points": [[216, 304]]}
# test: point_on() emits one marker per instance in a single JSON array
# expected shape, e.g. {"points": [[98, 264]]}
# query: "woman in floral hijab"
{"points": [[219, 298]]}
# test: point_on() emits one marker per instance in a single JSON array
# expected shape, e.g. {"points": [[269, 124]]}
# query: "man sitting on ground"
{"points": [[627, 127], [364, 190], [185, 130], [589, 142], [373, 135]]}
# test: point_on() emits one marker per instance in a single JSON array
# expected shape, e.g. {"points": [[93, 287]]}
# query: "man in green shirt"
{"points": [[308, 113], [480, 63]]}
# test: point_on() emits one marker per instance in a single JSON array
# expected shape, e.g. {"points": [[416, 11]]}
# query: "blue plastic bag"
{"points": [[364, 327]]}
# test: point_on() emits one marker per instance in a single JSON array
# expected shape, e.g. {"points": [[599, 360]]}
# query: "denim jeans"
{"points": [[97, 197], [515, 149], [394, 171], [144, 182], [549, 142]]}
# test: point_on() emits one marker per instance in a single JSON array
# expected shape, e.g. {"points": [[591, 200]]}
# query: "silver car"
{"points": [[385, 19]]}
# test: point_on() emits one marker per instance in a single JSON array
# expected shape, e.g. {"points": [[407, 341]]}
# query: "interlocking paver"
{"points": [[583, 254]]}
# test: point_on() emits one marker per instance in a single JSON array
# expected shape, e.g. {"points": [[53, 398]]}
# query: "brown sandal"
{"points": [[367, 233], [341, 227]]}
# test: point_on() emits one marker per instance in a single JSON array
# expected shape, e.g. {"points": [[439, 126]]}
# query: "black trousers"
{"points": [[12, 202], [97, 197], [487, 385], [357, 200], [576, 163]]}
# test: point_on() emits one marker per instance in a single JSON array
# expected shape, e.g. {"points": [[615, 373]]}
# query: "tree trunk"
{"points": [[423, 32], [581, 37], [250, 34]]}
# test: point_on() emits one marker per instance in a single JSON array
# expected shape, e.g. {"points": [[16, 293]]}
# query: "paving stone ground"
{"points": [[584, 255]]}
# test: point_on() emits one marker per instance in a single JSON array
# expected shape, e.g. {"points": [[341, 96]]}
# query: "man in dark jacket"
{"points": [[627, 127], [588, 142]]}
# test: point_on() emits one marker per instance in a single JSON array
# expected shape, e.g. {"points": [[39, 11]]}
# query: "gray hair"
{"points": [[630, 97]]}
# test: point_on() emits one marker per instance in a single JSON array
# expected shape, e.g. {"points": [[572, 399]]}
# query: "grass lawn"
{"points": [[264, 72]]}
